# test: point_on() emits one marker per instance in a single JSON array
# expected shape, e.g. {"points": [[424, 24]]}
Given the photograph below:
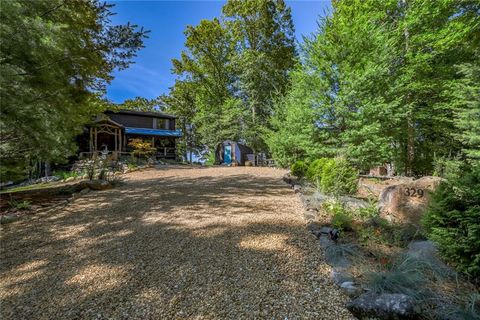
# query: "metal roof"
{"points": [[153, 132]]}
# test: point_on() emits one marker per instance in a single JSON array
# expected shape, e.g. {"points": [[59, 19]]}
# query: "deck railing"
{"points": [[162, 153]]}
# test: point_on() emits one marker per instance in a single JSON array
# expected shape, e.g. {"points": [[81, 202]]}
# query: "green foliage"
{"points": [[65, 174], [20, 205], [232, 68], [385, 82], [341, 218], [57, 58], [342, 221], [453, 219], [315, 169], [299, 169], [338, 177], [369, 211]]}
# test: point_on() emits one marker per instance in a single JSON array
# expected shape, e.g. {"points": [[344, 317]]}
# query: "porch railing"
{"points": [[162, 152]]}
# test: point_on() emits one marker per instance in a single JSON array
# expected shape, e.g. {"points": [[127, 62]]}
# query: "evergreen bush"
{"points": [[299, 168], [338, 177], [314, 172], [453, 220]]}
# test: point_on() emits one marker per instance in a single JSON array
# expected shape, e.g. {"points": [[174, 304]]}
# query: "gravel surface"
{"points": [[171, 243]]}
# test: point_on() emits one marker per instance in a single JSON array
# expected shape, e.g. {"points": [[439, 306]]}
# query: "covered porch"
{"points": [[109, 139]]}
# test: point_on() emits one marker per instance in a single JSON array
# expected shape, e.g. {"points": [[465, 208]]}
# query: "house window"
{"points": [[162, 123]]}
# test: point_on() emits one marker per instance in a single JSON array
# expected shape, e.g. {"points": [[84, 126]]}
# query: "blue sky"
{"points": [[150, 76]]}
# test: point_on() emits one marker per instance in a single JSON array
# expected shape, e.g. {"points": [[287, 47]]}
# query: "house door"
{"points": [[227, 155]]}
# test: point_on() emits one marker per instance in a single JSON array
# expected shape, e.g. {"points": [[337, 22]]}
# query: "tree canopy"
{"points": [[385, 82], [232, 70], [56, 58]]}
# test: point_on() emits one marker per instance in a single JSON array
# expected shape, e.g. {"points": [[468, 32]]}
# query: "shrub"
{"points": [[20, 205], [65, 174], [453, 220], [142, 149], [314, 171], [299, 169], [341, 217], [338, 178]]}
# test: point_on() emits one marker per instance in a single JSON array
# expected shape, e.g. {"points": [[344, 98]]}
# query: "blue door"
{"points": [[227, 155]]}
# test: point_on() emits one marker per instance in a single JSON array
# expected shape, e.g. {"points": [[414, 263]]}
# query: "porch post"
{"points": [[95, 144], [90, 141], [116, 140], [120, 140]]}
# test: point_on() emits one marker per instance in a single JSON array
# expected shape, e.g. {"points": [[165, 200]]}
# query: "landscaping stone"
{"points": [[84, 191], [95, 185], [340, 275], [383, 306], [288, 178], [297, 188], [350, 288], [47, 179], [7, 219], [423, 249], [406, 202]]}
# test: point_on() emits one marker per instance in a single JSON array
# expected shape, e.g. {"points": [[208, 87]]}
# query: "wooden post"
{"points": [[116, 146], [120, 146], [95, 146], [90, 141]]}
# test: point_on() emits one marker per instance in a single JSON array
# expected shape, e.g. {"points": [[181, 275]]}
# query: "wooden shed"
{"points": [[232, 152]]}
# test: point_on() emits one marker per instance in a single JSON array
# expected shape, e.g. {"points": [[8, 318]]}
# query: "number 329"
{"points": [[412, 192]]}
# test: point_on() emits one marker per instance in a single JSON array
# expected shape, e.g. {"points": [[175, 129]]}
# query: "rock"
{"points": [[70, 179], [340, 275], [84, 191], [350, 288], [353, 204], [297, 188], [47, 179], [289, 179], [383, 306], [7, 219], [423, 249], [95, 185], [406, 202], [325, 241]]}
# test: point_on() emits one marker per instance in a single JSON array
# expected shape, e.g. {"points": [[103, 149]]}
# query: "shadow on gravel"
{"points": [[126, 253]]}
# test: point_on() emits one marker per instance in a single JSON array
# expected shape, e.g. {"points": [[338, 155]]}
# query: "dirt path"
{"points": [[177, 243]]}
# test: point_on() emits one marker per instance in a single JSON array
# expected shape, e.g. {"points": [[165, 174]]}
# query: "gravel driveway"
{"points": [[171, 243]]}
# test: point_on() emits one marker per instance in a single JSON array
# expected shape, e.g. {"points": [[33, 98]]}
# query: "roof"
{"points": [[153, 132], [104, 118], [143, 113]]}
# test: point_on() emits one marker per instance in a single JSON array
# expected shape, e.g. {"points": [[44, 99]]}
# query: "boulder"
{"points": [[70, 179], [406, 202], [288, 178], [383, 306], [297, 188], [7, 219], [350, 288], [95, 185]]}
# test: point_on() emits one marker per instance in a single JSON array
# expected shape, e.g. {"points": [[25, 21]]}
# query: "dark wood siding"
{"points": [[135, 121]]}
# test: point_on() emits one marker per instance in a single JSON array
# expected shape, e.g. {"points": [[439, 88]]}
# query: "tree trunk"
{"points": [[410, 157]]}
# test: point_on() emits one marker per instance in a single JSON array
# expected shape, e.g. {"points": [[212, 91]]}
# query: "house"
{"points": [[111, 132], [231, 152]]}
